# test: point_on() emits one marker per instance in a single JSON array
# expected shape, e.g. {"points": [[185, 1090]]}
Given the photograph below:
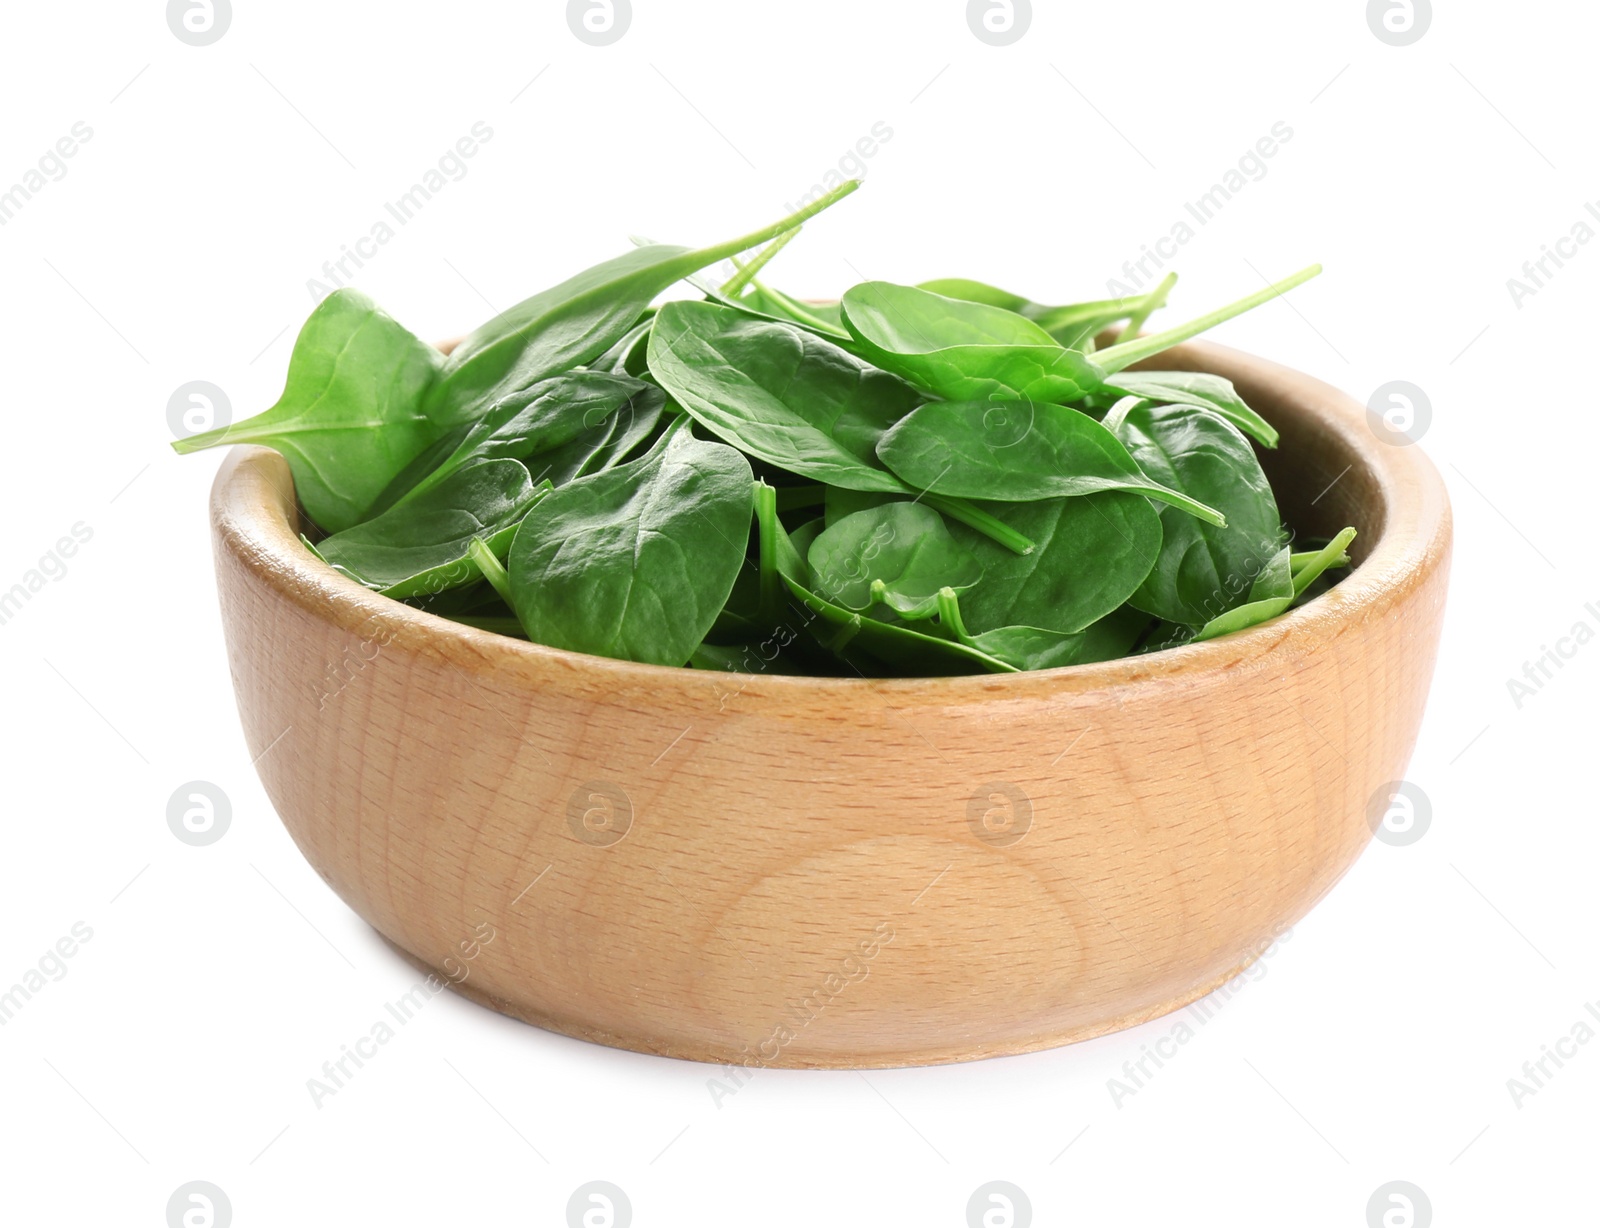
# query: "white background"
{"points": [[1376, 1044]]}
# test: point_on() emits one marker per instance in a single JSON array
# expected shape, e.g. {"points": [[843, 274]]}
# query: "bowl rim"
{"points": [[254, 516]]}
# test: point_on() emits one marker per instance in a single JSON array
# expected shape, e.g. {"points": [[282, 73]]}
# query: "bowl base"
{"points": [[789, 1060]]}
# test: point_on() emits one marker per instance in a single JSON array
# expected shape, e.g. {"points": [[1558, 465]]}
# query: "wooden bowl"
{"points": [[825, 872]]}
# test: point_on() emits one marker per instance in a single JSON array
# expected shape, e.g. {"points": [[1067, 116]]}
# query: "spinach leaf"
{"points": [[574, 322], [1020, 647], [780, 393], [973, 351], [1017, 451], [424, 546], [351, 415], [609, 442], [1093, 553], [1201, 566], [899, 554], [1276, 588], [1073, 325], [636, 562], [963, 351], [543, 416], [1210, 392], [849, 634], [627, 356]]}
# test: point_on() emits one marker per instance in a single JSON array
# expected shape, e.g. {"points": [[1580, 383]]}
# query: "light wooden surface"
{"points": [[804, 882]]}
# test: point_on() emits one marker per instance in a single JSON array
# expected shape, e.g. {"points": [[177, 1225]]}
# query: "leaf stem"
{"points": [[1125, 354], [991, 527], [724, 251], [1157, 298], [491, 567], [735, 285], [950, 614], [766, 508]]}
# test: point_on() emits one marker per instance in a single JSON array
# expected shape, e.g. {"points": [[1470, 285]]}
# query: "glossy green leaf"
{"points": [[849, 634], [351, 416], [1073, 325], [963, 351], [580, 319], [636, 562], [425, 546], [1201, 566], [1093, 552], [1019, 647], [1271, 594], [544, 416], [1209, 392], [1017, 451], [898, 554], [782, 394]]}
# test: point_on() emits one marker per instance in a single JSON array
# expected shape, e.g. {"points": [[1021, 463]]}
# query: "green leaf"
{"points": [[636, 562], [1270, 595], [1017, 451], [1073, 325], [899, 554], [850, 634], [1210, 392], [580, 319], [1202, 567], [1019, 647], [1093, 552], [351, 415], [541, 417], [963, 351], [614, 440], [779, 393], [1278, 586], [424, 546]]}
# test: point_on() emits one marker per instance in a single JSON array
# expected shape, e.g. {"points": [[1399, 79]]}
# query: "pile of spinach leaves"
{"points": [[916, 480]]}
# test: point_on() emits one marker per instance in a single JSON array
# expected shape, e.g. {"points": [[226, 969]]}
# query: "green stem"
{"points": [[1124, 355], [491, 567], [1157, 298], [990, 526], [950, 614], [1320, 561], [735, 285], [692, 261], [767, 553]]}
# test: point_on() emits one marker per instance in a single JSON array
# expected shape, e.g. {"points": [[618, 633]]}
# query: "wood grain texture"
{"points": [[806, 878]]}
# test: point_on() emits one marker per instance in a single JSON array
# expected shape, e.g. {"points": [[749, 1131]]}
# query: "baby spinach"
{"points": [[574, 322], [424, 546], [1276, 588], [974, 351], [541, 417], [961, 350], [1018, 451], [1193, 450], [852, 635], [1019, 647], [945, 478], [1073, 325], [1093, 553], [1209, 392], [780, 393], [636, 562], [899, 554], [351, 415]]}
